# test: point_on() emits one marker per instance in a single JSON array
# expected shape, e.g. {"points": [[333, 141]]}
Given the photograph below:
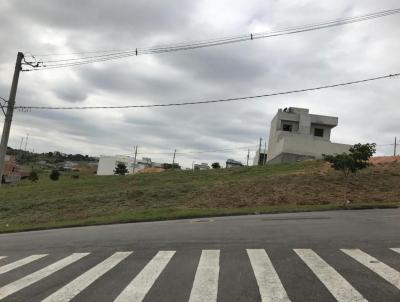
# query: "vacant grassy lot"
{"points": [[95, 199]]}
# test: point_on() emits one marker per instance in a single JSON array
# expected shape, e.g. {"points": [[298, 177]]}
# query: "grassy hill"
{"points": [[92, 199]]}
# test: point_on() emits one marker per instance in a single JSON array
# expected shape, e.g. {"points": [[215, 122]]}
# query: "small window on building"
{"points": [[319, 132], [287, 127]]}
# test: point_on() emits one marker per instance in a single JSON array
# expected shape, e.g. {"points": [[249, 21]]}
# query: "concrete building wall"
{"points": [[301, 140], [326, 129], [259, 159], [107, 164]]}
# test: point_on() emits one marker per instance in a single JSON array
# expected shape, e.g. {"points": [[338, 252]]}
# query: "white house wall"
{"points": [[107, 164]]}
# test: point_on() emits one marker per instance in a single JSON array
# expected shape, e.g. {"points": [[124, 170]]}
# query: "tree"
{"points": [[216, 165], [54, 175], [356, 159], [33, 176], [120, 169]]}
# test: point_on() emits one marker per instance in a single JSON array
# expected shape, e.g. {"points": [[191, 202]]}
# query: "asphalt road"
{"points": [[320, 256]]}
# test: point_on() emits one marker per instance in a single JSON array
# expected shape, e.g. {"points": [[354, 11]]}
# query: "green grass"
{"points": [[95, 199]]}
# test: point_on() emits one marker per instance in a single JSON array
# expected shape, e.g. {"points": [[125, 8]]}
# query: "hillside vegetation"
{"points": [[92, 199]]}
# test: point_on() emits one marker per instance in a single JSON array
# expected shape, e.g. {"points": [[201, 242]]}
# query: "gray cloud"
{"points": [[70, 94], [366, 111]]}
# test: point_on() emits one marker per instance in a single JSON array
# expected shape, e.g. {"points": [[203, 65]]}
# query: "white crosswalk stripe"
{"points": [[333, 281], [269, 284], [73, 288], [397, 250], [19, 263], [206, 279], [19, 284], [380, 268], [141, 284], [205, 285]]}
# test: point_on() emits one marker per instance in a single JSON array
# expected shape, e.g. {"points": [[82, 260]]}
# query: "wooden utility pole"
{"points": [[248, 155], [134, 161], [9, 114], [20, 144], [26, 141], [173, 160], [259, 152], [265, 153], [395, 145]]}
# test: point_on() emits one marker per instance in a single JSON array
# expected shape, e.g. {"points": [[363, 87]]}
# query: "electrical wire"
{"points": [[191, 151], [209, 101], [114, 54]]}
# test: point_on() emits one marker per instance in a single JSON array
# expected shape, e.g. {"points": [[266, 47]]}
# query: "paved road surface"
{"points": [[321, 256]]}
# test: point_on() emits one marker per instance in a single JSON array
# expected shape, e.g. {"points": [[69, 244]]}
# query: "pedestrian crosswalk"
{"points": [[21, 262], [383, 270], [269, 284], [39, 275], [73, 288], [334, 282], [206, 278], [141, 284], [205, 285]]}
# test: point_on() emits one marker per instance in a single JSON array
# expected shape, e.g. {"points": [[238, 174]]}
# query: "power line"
{"points": [[208, 101], [217, 150], [192, 151], [115, 54]]}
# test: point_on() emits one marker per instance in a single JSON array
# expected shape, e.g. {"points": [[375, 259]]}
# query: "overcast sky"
{"points": [[367, 112]]}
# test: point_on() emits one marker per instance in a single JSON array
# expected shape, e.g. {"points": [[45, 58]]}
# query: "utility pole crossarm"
{"points": [[1, 105], [9, 114]]}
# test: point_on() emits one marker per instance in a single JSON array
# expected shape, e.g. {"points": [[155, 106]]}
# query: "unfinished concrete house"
{"points": [[296, 134]]}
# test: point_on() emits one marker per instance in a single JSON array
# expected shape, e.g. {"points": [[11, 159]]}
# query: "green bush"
{"points": [[120, 169], [33, 176], [54, 175]]}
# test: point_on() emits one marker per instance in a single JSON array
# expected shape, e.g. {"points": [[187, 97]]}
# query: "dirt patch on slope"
{"points": [[379, 183]]}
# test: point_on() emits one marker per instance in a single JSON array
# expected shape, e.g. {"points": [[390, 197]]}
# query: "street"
{"points": [[316, 256]]}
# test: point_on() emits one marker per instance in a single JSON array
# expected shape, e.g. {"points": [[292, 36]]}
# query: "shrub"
{"points": [[356, 159], [54, 175], [216, 165], [33, 176], [120, 169]]}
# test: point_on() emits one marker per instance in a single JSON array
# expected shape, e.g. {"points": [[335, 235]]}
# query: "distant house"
{"points": [[69, 165], [11, 171], [202, 166], [230, 163], [296, 134], [260, 158], [107, 164]]}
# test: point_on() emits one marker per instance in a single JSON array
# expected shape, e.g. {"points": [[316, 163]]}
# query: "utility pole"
{"points": [[259, 152], [395, 145], [20, 144], [26, 141], [134, 161], [265, 153], [173, 160], [9, 114], [248, 155]]}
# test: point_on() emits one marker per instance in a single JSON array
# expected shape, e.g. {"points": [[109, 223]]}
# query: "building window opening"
{"points": [[287, 127], [319, 132]]}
